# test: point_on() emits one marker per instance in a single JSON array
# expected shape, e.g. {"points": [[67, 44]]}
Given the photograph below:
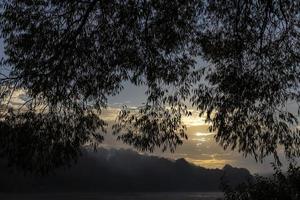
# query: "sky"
{"points": [[200, 148]]}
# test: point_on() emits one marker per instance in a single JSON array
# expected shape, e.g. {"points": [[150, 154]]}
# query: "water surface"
{"points": [[123, 196]]}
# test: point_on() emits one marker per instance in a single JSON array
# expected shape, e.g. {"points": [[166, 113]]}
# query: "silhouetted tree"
{"points": [[280, 186], [254, 49], [70, 55]]}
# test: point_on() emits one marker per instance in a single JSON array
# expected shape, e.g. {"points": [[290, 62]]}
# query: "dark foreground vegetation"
{"points": [[70, 56], [124, 171], [282, 186]]}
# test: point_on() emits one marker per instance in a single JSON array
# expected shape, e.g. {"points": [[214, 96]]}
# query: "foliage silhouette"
{"points": [[69, 56], [254, 49], [280, 186]]}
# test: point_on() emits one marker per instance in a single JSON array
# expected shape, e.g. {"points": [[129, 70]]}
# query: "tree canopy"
{"points": [[280, 186], [69, 56]]}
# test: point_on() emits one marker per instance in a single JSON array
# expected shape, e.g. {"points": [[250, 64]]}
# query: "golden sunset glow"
{"points": [[193, 120], [209, 163]]}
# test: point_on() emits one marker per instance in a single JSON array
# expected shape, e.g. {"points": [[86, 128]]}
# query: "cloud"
{"points": [[210, 163], [204, 134], [110, 113], [194, 120]]}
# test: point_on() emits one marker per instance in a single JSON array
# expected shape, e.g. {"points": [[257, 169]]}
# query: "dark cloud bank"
{"points": [[124, 171]]}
